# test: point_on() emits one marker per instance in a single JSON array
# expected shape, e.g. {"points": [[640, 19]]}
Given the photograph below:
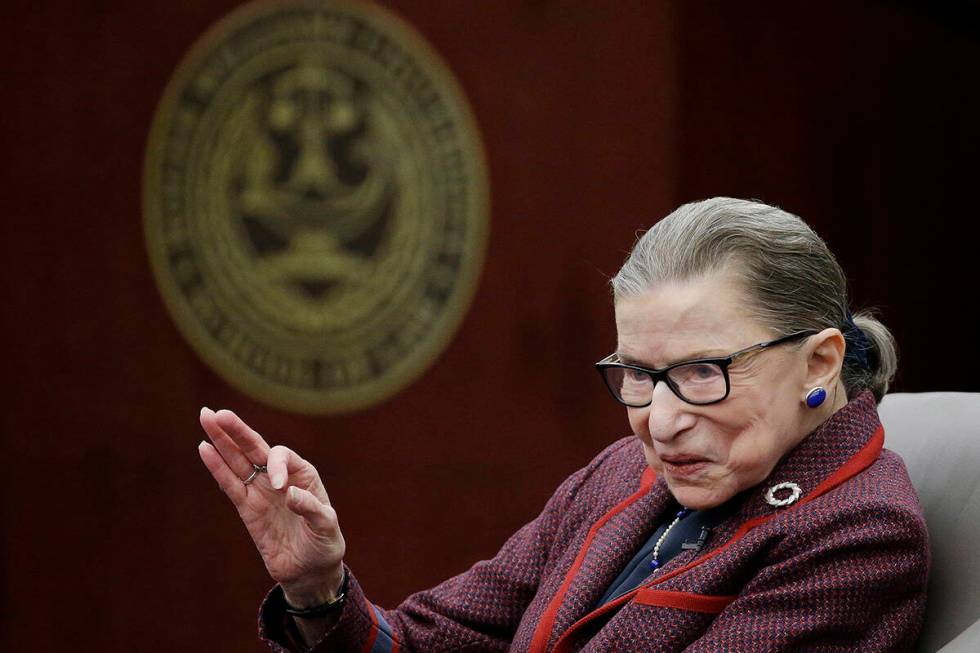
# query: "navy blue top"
{"points": [[691, 531]]}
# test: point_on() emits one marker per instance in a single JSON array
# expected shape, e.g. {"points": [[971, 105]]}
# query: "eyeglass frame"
{"points": [[661, 375]]}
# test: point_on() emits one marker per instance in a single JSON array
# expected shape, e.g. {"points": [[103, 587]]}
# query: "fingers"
{"points": [[230, 452], [321, 518], [286, 467], [252, 444], [278, 465], [239, 447], [229, 483], [282, 461]]}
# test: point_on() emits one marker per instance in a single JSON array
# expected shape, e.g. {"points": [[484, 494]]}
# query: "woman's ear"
{"points": [[824, 358]]}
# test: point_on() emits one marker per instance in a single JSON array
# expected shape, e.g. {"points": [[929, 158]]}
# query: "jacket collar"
{"points": [[839, 448]]}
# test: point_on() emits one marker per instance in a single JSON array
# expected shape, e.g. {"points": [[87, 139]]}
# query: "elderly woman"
{"points": [[754, 510]]}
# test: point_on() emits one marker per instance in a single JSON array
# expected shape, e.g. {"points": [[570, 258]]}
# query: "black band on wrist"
{"points": [[324, 608]]}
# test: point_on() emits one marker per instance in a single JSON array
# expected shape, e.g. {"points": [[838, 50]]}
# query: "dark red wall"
{"points": [[597, 121]]}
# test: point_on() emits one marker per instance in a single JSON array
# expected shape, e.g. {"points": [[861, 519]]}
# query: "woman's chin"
{"points": [[696, 498]]}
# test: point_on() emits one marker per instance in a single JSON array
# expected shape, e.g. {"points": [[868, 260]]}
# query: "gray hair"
{"points": [[793, 281]]}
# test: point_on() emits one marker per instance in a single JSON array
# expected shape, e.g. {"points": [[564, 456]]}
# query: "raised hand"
{"points": [[286, 510]]}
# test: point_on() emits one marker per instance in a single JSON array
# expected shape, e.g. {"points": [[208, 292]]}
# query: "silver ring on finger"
{"points": [[256, 470]]}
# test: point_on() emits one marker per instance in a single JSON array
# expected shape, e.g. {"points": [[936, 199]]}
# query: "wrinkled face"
{"points": [[708, 454]]}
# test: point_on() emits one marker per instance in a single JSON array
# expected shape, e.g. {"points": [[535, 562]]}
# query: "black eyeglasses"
{"points": [[699, 382]]}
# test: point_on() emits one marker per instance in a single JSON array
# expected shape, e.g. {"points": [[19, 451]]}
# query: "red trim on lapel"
{"points": [[858, 463], [542, 633], [647, 478], [683, 600], [855, 465], [373, 636]]}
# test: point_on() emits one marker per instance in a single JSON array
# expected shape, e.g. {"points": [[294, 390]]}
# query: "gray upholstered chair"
{"points": [[938, 435]]}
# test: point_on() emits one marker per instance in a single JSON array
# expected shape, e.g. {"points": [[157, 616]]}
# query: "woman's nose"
{"points": [[669, 414]]}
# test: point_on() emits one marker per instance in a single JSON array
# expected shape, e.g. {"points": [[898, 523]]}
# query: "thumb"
{"points": [[321, 517]]}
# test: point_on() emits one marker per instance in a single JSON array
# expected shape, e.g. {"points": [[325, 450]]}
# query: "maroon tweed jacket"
{"points": [[842, 569]]}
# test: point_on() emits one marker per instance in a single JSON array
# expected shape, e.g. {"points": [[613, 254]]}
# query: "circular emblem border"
{"points": [[427, 350]]}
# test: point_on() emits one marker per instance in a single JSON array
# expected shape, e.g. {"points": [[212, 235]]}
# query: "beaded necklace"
{"points": [[681, 514]]}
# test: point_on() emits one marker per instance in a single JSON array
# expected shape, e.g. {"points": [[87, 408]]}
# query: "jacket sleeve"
{"points": [[478, 610], [850, 582]]}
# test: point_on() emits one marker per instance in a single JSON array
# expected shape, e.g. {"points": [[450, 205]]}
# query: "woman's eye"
{"points": [[697, 373], [705, 371], [636, 376]]}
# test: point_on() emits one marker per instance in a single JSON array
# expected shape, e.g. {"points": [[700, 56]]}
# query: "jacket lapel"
{"points": [[610, 543], [840, 448], [613, 547]]}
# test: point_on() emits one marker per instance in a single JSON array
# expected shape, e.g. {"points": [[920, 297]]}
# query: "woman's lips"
{"points": [[684, 465]]}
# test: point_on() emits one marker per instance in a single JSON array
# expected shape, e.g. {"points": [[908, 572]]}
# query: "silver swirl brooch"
{"points": [[795, 492]]}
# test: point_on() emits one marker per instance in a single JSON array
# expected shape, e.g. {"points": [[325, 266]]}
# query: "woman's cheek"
{"points": [[638, 419], [749, 463], [652, 460]]}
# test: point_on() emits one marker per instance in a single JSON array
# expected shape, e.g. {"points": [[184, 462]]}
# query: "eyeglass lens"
{"points": [[697, 383]]}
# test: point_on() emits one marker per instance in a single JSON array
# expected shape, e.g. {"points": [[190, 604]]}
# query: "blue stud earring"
{"points": [[816, 397]]}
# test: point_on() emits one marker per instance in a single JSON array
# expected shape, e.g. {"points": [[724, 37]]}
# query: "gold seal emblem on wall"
{"points": [[315, 203]]}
